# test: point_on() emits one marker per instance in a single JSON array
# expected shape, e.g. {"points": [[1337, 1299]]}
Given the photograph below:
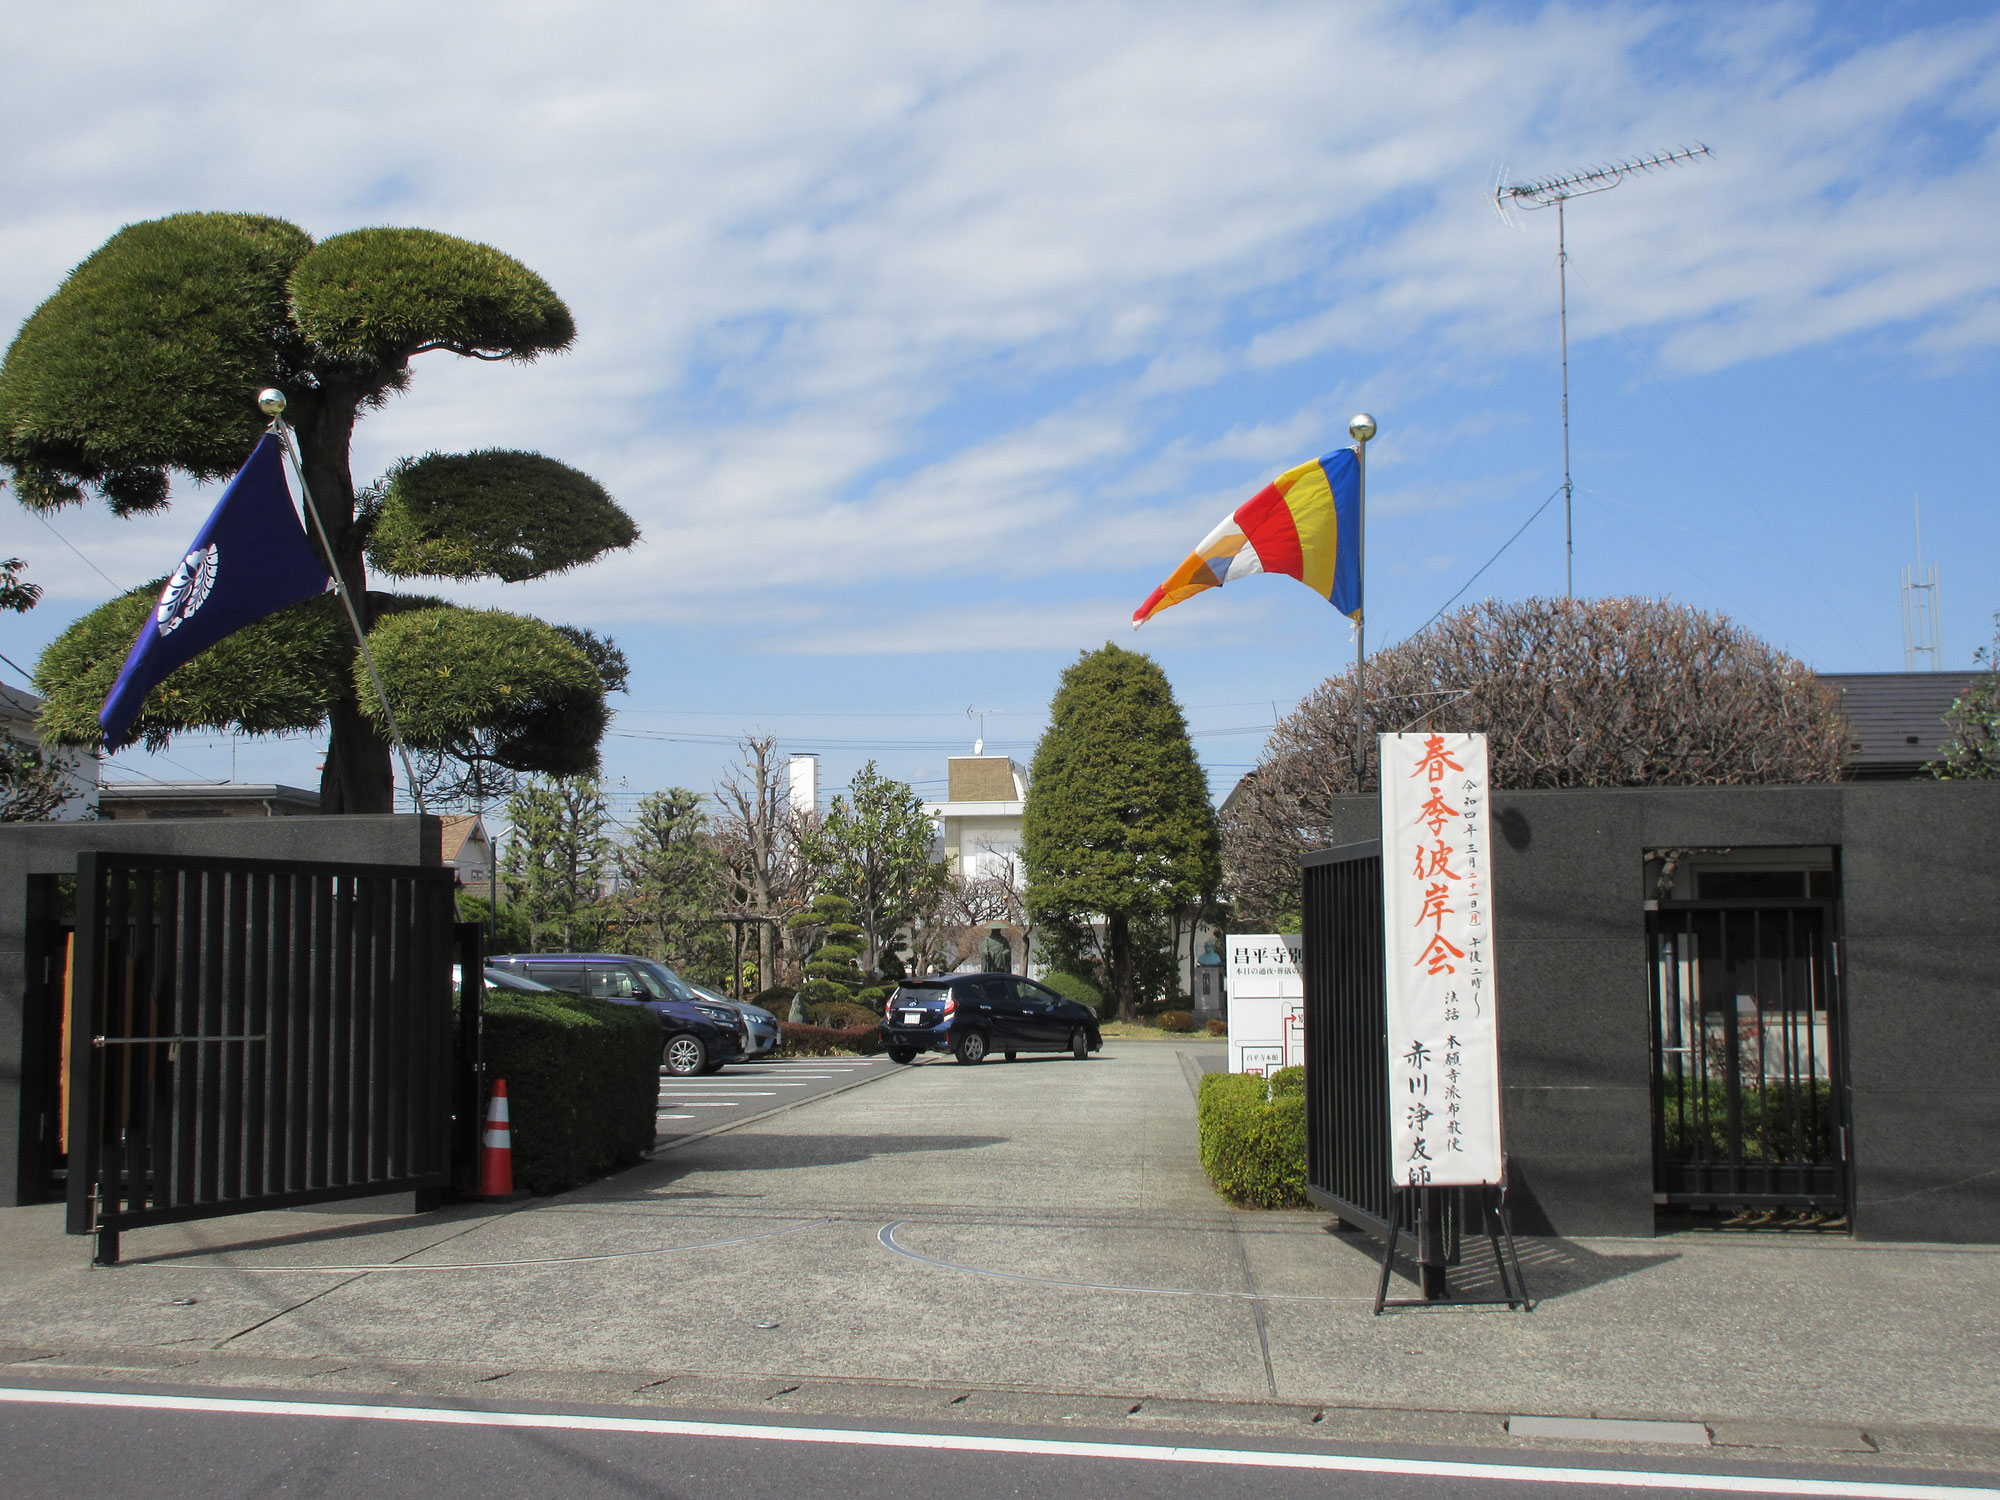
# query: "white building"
{"points": [[979, 822], [80, 768]]}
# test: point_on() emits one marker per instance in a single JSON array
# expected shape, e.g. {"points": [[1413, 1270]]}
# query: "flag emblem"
{"points": [[188, 589], [271, 565]]}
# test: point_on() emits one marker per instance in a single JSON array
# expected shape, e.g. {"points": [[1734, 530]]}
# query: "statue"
{"points": [[995, 955]]}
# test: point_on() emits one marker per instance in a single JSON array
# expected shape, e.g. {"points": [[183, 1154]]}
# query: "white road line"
{"points": [[681, 1088], [1239, 1458], [705, 1104], [673, 1117]]}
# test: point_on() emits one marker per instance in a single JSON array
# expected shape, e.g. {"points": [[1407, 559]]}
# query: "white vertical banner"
{"points": [[1437, 912]]}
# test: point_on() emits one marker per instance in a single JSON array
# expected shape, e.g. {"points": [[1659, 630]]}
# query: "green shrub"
{"points": [[1176, 1020], [825, 1041], [1082, 991], [777, 999], [1289, 1083], [1253, 1146], [583, 1082], [841, 1015]]}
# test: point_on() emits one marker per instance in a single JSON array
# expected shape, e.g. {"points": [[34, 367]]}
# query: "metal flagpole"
{"points": [[272, 403], [1361, 429]]}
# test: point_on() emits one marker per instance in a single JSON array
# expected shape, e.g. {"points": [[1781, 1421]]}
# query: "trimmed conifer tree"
{"points": [[1118, 827], [146, 362]]}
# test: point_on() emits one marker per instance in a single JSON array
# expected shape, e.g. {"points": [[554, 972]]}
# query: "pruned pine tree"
{"points": [[146, 363], [1570, 693], [556, 861], [1118, 826], [1973, 750], [833, 969]]}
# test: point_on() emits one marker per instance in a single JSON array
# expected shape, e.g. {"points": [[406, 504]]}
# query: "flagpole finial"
{"points": [[1361, 427], [271, 401]]}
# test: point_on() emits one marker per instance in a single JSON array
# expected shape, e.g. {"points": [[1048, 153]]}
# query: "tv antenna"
{"points": [[1923, 628], [1554, 192], [979, 745]]}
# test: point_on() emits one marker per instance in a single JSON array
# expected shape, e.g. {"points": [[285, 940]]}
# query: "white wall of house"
{"points": [[81, 769]]}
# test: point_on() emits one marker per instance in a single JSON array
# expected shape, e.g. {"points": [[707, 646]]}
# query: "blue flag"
{"points": [[249, 560]]}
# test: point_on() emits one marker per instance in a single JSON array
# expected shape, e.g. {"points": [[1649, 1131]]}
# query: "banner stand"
{"points": [[1427, 1207]]}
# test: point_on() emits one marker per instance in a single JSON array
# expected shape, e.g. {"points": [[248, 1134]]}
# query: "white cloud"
{"points": [[874, 288]]}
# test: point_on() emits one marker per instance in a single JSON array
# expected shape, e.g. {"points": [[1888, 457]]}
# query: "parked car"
{"points": [[760, 1026], [698, 1036], [971, 1015]]}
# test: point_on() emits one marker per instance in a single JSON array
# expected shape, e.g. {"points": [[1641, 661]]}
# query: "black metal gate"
{"points": [[251, 1034], [1347, 1037], [1749, 1078]]}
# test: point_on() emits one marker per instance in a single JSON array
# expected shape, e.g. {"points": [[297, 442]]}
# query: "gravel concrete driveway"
{"points": [[1041, 1226]]}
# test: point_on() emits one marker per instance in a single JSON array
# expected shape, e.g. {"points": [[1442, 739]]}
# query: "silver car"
{"points": [[760, 1027]]}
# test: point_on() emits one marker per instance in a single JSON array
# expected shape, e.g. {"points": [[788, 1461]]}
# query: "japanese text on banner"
{"points": [[1437, 902]]}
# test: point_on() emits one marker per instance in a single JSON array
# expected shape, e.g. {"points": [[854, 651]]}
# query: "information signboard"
{"points": [[1266, 995], [1437, 908]]}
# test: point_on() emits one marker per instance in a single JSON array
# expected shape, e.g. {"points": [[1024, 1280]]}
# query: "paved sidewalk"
{"points": [[1034, 1239]]}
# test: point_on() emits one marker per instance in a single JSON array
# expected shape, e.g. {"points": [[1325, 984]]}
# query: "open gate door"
{"points": [[249, 1034]]}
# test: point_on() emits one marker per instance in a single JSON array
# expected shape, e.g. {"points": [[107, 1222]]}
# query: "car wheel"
{"points": [[684, 1056], [902, 1055], [1079, 1044], [971, 1048]]}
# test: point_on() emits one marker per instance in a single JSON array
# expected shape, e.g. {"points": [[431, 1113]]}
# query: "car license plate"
{"points": [[913, 1018]]}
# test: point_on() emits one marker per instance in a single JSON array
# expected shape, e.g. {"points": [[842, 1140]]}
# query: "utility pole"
{"points": [[1555, 192]]}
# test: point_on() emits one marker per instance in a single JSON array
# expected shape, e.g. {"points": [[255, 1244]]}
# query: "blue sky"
{"points": [[923, 340]]}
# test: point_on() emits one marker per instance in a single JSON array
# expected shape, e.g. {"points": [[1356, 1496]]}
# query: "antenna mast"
{"points": [[1923, 632], [1555, 192]]}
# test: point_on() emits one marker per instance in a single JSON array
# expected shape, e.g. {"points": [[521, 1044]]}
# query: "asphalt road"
{"points": [[743, 1091], [106, 1441]]}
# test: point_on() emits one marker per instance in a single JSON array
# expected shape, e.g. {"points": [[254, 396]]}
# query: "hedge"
{"points": [[583, 1083], [1253, 1137], [1082, 991], [825, 1041]]}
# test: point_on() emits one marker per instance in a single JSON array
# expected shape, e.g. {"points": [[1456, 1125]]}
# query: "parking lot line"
{"points": [[673, 1117], [707, 1104]]}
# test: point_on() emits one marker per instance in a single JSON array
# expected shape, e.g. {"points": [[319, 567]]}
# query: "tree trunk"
{"points": [[1119, 961], [358, 777]]}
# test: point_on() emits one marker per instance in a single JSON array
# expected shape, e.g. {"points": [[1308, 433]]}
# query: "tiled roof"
{"points": [[1895, 720]]}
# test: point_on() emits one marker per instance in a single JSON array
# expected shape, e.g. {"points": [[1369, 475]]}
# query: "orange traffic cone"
{"points": [[496, 1155]]}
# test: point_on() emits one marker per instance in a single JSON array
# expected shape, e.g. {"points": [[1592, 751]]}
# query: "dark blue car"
{"points": [[970, 1015], [698, 1037]]}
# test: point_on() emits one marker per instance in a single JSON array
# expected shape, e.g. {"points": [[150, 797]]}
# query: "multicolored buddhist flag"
{"points": [[1305, 524]]}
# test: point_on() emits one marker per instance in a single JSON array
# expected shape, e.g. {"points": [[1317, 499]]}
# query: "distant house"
{"points": [[468, 851], [19, 711], [979, 822], [205, 799], [1895, 720]]}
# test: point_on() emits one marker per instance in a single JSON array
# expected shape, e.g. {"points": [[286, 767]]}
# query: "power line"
{"points": [[73, 547]]}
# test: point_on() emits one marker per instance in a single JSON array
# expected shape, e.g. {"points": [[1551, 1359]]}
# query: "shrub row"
{"points": [[1253, 1137], [1175, 1020], [825, 1041], [1082, 991], [583, 1082]]}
